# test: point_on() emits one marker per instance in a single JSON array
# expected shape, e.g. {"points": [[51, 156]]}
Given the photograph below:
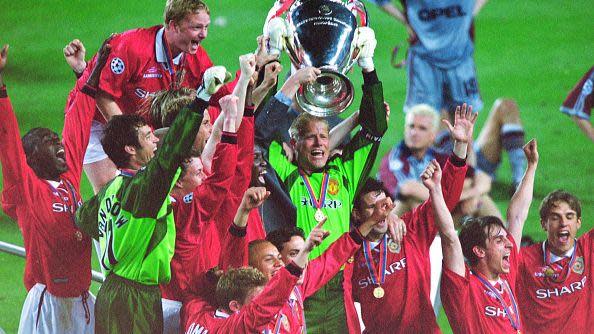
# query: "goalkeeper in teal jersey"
{"points": [[321, 186], [132, 217]]}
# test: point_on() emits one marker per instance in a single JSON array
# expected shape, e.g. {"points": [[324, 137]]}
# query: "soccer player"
{"points": [[41, 176], [579, 102], [392, 280], [321, 186], [132, 217], [440, 65], [554, 283], [143, 62], [481, 297]]}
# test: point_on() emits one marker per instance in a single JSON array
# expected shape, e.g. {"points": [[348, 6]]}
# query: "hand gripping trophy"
{"points": [[324, 34]]}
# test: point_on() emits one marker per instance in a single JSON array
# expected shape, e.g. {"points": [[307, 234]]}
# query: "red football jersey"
{"points": [[406, 305], [472, 308], [192, 214], [563, 304], [58, 253]]}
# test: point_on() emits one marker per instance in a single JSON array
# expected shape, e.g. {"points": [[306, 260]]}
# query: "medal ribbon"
{"points": [[515, 321], [171, 66], [299, 304], [565, 270], [376, 278], [72, 198], [312, 196]]}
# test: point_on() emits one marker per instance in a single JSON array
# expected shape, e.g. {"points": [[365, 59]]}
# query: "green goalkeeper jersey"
{"points": [[132, 216], [347, 172]]}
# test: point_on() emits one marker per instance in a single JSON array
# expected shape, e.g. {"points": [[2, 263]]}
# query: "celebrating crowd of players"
{"points": [[209, 219]]}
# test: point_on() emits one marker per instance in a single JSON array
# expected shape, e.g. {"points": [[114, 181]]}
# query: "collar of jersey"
{"points": [[160, 52]]}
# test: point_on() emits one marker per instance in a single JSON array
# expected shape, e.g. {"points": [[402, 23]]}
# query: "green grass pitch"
{"points": [[532, 51]]}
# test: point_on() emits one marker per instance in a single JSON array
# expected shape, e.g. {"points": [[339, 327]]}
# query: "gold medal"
{"points": [[394, 247], [378, 292], [549, 272], [78, 235], [319, 216]]}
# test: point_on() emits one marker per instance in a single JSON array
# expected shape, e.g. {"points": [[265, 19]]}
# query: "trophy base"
{"points": [[330, 94]]}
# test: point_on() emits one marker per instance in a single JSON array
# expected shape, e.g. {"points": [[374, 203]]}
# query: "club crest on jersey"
{"points": [[578, 266], [393, 246], [333, 187], [117, 65]]}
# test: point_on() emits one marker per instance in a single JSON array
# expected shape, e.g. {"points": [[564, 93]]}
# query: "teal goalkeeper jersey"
{"points": [[347, 173], [132, 216]]}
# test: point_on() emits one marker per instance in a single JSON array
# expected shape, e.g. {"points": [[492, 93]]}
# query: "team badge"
{"points": [[393, 246], [188, 198], [333, 187], [578, 266], [351, 259], [117, 65], [549, 272]]}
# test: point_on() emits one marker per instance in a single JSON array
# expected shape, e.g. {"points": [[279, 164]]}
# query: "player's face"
{"points": [[267, 259], [194, 175], [148, 145], [365, 211], [191, 31], [313, 147], [561, 225], [203, 134], [419, 133], [51, 152], [498, 251], [291, 248], [258, 169]]}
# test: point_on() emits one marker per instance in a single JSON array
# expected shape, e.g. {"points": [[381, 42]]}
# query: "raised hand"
{"points": [[262, 55], [306, 75], [463, 127], [531, 152], [74, 53], [254, 197], [431, 176], [212, 80], [247, 64], [316, 236], [3, 57], [228, 105], [396, 227]]}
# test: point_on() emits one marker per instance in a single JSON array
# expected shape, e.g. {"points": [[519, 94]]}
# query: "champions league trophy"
{"points": [[319, 33]]}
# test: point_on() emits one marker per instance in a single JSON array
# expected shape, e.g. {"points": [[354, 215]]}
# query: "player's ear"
{"points": [[479, 252], [234, 306], [130, 149]]}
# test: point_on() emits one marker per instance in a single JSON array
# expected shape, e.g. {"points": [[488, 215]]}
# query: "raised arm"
{"points": [[74, 53], [452, 249], [519, 206], [585, 126], [226, 122], [247, 64]]}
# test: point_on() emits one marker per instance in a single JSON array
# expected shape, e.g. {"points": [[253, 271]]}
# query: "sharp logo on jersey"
{"points": [[448, 12], [390, 269], [112, 208], [188, 198], [196, 329], [117, 65], [333, 187], [61, 207], [143, 94], [328, 204], [493, 311], [562, 291]]}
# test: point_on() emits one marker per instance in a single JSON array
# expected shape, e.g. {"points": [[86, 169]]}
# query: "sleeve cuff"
{"points": [[370, 78], [356, 236], [294, 269], [248, 111], [282, 98], [229, 137], [237, 231], [456, 161]]}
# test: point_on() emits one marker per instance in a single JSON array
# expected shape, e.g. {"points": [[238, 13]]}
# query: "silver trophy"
{"points": [[321, 35]]}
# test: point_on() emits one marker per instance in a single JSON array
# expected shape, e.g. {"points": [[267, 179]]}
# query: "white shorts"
{"points": [[171, 320], [46, 313], [95, 151]]}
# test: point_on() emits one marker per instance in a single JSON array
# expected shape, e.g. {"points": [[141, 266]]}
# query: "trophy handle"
{"points": [[358, 9]]}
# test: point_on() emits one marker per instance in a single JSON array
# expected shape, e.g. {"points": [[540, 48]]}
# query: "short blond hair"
{"points": [[299, 125], [422, 110], [236, 284], [164, 106], [176, 10]]}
